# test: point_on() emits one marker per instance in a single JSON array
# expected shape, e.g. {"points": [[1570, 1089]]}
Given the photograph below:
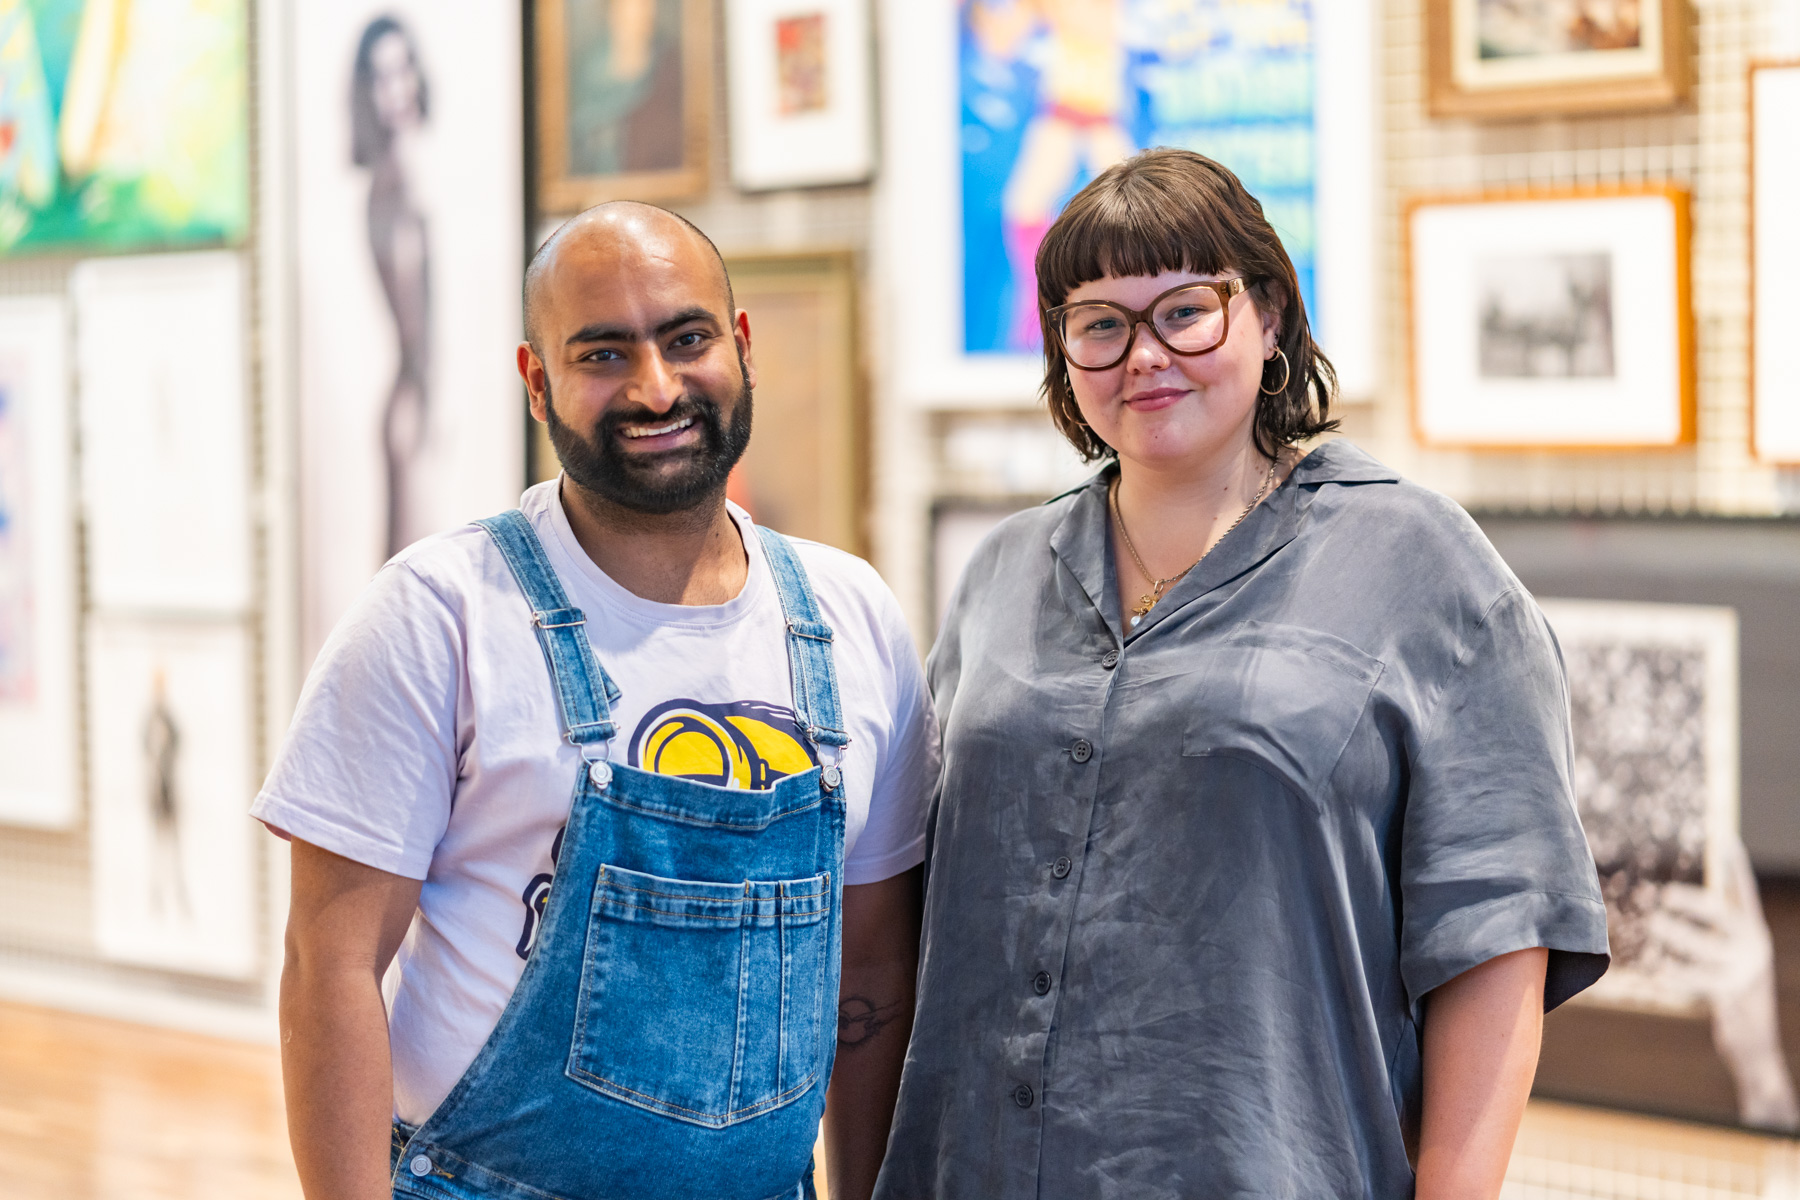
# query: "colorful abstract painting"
{"points": [[123, 123], [1055, 91]]}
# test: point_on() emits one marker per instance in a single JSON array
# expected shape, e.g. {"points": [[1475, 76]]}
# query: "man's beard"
{"points": [[639, 482]]}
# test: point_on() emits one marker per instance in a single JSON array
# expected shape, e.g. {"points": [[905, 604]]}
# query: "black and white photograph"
{"points": [[1551, 320], [1547, 316], [409, 148]]}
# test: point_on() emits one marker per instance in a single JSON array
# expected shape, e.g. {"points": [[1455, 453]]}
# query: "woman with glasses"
{"points": [[1254, 863]]}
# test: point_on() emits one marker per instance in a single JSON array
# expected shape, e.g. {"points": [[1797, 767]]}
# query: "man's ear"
{"points": [[531, 370], [740, 332]]}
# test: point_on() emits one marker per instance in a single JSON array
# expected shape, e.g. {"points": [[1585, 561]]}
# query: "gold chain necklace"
{"points": [[1148, 600]]}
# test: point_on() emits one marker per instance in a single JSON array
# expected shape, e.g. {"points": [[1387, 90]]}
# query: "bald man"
{"points": [[628, 790]]}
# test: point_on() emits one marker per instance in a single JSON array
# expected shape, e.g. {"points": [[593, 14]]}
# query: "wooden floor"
{"points": [[98, 1110]]}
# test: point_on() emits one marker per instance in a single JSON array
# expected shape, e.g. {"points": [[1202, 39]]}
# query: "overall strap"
{"points": [[809, 645], [583, 688]]}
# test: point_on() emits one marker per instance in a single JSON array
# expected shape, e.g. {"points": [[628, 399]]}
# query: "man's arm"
{"points": [[1482, 1031], [875, 1015], [345, 923]]}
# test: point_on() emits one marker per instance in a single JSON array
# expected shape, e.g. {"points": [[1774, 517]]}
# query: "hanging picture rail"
{"points": [[624, 100], [1503, 59], [1551, 320]]}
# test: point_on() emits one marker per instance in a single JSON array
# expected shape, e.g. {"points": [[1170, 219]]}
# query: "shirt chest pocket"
{"points": [[1281, 696]]}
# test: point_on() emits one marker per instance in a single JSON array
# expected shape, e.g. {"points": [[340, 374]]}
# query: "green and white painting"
{"points": [[123, 124]]}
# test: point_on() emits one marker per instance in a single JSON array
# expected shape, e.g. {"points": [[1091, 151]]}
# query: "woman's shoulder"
{"points": [[1388, 525]]}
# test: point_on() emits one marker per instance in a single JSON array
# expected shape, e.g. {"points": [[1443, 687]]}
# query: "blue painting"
{"points": [[1055, 91]]}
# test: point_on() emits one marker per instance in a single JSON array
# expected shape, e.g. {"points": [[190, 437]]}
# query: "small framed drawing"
{"points": [[38, 599], [805, 472], [165, 431], [173, 853], [1526, 58], [801, 92], [1775, 261], [624, 100], [1549, 320], [1653, 700]]}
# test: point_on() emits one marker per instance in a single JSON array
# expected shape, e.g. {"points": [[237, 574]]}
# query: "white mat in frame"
{"points": [[1775, 256], [37, 569], [171, 778], [802, 92], [1551, 320], [165, 440]]}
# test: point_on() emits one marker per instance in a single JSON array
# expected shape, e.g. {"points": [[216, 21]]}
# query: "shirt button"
{"points": [[1110, 660], [1082, 750], [1061, 867], [1042, 983], [420, 1165], [1022, 1096]]}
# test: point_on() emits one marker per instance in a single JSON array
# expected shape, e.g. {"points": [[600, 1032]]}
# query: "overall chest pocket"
{"points": [[705, 1002], [1284, 697]]}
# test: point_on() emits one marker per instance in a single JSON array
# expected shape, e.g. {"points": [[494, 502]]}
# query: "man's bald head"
{"points": [[616, 226]]}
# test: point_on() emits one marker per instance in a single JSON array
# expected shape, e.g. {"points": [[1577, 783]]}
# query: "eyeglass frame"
{"points": [[1225, 289]]}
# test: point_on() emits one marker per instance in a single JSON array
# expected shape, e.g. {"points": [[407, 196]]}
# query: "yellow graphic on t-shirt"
{"points": [[745, 744]]}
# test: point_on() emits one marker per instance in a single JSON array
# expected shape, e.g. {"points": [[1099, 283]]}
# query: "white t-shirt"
{"points": [[428, 743]]}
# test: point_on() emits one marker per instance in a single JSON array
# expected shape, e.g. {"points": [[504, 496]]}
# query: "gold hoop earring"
{"points": [[1287, 373]]}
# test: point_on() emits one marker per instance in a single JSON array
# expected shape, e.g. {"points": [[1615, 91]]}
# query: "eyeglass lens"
{"points": [[1097, 334]]}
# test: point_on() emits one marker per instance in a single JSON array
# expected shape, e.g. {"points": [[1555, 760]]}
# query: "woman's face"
{"points": [[396, 83], [1158, 408]]}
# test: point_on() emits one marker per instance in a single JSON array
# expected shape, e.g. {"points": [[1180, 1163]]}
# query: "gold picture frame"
{"points": [[1663, 316], [806, 471], [1651, 70], [609, 135]]}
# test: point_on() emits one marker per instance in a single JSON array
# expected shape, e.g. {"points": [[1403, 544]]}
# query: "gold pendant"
{"points": [[1142, 608]]}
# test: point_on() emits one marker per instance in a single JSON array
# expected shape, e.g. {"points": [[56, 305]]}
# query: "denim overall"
{"points": [[675, 1024]]}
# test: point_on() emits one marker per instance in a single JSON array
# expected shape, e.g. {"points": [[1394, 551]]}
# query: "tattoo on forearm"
{"points": [[860, 1019]]}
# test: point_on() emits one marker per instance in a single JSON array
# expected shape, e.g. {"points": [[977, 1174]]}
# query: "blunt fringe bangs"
{"points": [[1174, 210]]}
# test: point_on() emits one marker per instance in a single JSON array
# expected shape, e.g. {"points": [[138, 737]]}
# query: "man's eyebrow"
{"points": [[620, 333]]}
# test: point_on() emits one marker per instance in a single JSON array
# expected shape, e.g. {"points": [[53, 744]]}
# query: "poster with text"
{"points": [[1055, 91], [37, 567], [409, 176], [123, 123], [172, 778]]}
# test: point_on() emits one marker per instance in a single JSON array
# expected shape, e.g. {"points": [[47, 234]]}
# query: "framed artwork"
{"points": [[624, 100], [1660, 594], [1551, 320], [171, 780], [806, 470], [1002, 109], [409, 144], [801, 92], [165, 436], [38, 602], [127, 124], [1775, 261], [1525, 58], [1653, 700]]}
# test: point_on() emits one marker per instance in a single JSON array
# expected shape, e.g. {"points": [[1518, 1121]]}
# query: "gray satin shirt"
{"points": [[1187, 891]]}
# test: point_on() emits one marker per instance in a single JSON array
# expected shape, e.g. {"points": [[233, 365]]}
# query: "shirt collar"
{"points": [[1082, 542]]}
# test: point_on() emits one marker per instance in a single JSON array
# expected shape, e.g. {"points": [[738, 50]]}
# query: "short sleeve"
{"points": [[369, 764], [1492, 856], [906, 767]]}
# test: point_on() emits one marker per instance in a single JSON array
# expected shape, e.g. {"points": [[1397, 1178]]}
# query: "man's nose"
{"points": [[655, 385]]}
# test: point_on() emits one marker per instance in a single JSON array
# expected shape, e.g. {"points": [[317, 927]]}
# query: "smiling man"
{"points": [[632, 790]]}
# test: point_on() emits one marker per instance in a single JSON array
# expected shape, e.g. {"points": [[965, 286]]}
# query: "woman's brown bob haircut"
{"points": [[1174, 210]]}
